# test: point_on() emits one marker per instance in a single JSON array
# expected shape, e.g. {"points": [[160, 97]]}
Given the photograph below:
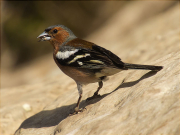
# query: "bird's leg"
{"points": [[100, 86], [96, 93], [77, 105], [76, 110]]}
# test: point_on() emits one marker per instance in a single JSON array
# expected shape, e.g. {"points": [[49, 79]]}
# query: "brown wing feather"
{"points": [[79, 43]]}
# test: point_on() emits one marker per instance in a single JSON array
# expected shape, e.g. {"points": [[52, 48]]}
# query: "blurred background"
{"points": [[23, 21]]}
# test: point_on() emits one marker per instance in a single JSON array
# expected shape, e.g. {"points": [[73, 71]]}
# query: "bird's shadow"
{"points": [[49, 118]]}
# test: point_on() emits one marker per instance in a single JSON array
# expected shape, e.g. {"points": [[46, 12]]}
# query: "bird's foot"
{"points": [[93, 97], [76, 111]]}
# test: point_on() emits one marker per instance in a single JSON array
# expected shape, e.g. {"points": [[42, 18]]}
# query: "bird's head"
{"points": [[57, 34]]}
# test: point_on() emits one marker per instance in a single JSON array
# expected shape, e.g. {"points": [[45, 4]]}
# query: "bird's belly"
{"points": [[79, 76]]}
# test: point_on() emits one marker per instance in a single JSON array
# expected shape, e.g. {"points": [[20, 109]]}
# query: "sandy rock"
{"points": [[146, 103], [132, 102]]}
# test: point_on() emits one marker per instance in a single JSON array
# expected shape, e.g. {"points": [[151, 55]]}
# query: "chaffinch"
{"points": [[83, 61]]}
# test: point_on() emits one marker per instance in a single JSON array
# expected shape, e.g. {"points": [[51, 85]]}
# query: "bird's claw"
{"points": [[76, 111]]}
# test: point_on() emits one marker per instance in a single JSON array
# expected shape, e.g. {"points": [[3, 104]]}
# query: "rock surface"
{"points": [[132, 102]]}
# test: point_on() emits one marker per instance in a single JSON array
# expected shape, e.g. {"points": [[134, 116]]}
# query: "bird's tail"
{"points": [[144, 67]]}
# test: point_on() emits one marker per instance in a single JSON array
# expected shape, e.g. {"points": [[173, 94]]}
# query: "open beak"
{"points": [[44, 36]]}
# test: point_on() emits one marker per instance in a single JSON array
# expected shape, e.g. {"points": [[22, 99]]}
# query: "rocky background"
{"points": [[37, 98]]}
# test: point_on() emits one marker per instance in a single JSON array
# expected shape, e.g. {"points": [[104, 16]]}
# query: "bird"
{"points": [[84, 61]]}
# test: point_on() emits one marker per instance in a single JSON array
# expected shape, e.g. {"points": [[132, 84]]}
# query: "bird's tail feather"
{"points": [[144, 67]]}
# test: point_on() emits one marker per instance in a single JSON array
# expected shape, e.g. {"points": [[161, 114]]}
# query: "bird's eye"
{"points": [[55, 31]]}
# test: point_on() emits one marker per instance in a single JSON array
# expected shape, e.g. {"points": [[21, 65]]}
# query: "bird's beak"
{"points": [[44, 36]]}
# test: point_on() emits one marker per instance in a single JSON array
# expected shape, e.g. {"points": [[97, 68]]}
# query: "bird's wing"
{"points": [[111, 56], [85, 54]]}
